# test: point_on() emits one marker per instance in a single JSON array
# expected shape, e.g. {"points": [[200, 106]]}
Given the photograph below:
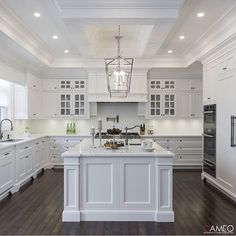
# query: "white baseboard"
{"points": [[117, 215], [165, 216], [217, 185], [71, 216]]}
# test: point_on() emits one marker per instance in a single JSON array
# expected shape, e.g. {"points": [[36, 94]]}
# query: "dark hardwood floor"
{"points": [[37, 209]]}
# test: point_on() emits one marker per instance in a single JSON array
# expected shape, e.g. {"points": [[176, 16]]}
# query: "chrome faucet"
{"points": [[126, 133], [1, 133]]}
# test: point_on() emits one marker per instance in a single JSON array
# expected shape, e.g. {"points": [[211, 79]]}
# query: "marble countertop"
{"points": [[32, 137], [85, 149]]}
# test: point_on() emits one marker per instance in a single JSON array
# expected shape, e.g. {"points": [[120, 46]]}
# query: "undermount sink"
{"points": [[10, 140]]}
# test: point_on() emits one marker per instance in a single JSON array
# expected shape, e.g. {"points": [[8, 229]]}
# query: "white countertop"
{"points": [[169, 135], [85, 149], [33, 137]]}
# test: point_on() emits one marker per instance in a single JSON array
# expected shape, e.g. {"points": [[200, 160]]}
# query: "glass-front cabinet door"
{"points": [[79, 104], [72, 84], [169, 104], [162, 105], [155, 104], [65, 104]]}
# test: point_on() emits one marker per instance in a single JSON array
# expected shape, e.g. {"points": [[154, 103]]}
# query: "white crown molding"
{"points": [[111, 4], [11, 25], [75, 62], [219, 35]]}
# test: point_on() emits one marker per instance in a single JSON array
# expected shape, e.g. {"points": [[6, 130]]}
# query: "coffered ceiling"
{"points": [[86, 28]]}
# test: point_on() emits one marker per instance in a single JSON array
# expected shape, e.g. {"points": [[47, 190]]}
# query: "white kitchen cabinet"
{"points": [[72, 105], [162, 105], [37, 155], [58, 145], [184, 105], [210, 77], [50, 104], [40, 153], [50, 85], [190, 105], [33, 81], [44, 151], [197, 105], [188, 150], [177, 98], [24, 163], [27, 103], [190, 85], [7, 169], [225, 154], [162, 84], [72, 84], [34, 103]]}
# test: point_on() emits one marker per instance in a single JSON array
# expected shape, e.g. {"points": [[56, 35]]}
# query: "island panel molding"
{"points": [[124, 185]]}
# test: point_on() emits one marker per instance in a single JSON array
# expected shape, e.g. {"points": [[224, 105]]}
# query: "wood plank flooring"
{"points": [[37, 209]]}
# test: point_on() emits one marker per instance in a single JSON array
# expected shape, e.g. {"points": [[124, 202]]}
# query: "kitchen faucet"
{"points": [[126, 133], [1, 133]]}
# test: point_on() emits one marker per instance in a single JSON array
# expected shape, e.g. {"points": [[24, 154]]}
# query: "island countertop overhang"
{"points": [[85, 149]]}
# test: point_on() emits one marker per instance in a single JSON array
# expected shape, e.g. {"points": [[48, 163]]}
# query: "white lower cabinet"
{"points": [[188, 150], [40, 153], [24, 162], [7, 169], [58, 145]]}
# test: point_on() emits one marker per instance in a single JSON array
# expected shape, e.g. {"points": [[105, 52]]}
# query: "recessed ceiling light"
{"points": [[181, 37], [170, 51], [200, 14], [66, 51], [37, 14], [55, 37]]}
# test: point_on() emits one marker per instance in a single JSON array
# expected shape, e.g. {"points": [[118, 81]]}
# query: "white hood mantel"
{"points": [[98, 92]]}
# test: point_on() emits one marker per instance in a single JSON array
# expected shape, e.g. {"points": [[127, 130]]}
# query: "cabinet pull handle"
{"points": [[233, 118], [37, 143], [6, 154], [27, 157], [26, 147], [224, 68]]}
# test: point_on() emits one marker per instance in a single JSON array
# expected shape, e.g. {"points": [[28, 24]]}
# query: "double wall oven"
{"points": [[209, 140]]}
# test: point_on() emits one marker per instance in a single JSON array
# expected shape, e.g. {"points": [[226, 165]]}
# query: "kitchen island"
{"points": [[127, 184]]}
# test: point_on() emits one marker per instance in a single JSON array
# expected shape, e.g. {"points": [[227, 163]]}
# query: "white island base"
{"points": [[123, 185]]}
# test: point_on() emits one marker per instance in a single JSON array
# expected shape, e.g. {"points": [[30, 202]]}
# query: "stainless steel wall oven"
{"points": [[209, 140]]}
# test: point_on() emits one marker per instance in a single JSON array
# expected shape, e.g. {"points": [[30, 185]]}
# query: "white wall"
{"points": [[128, 117]]}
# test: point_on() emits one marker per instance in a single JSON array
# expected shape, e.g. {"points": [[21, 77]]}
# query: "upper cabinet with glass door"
{"points": [[72, 84], [162, 85]]}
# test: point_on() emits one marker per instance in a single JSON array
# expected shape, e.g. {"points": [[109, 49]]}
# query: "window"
{"points": [[5, 99]]}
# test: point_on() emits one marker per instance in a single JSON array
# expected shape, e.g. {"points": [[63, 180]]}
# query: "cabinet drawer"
{"points": [[189, 157], [54, 141], [190, 144], [181, 150], [27, 147], [164, 140], [188, 139], [6, 152], [54, 156]]}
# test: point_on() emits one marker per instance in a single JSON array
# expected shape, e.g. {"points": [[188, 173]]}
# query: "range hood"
{"points": [[98, 92]]}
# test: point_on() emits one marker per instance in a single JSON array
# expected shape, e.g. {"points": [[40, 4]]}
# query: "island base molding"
{"points": [[134, 187], [101, 215]]}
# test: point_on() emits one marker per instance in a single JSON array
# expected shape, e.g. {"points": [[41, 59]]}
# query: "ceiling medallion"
{"points": [[118, 72]]}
